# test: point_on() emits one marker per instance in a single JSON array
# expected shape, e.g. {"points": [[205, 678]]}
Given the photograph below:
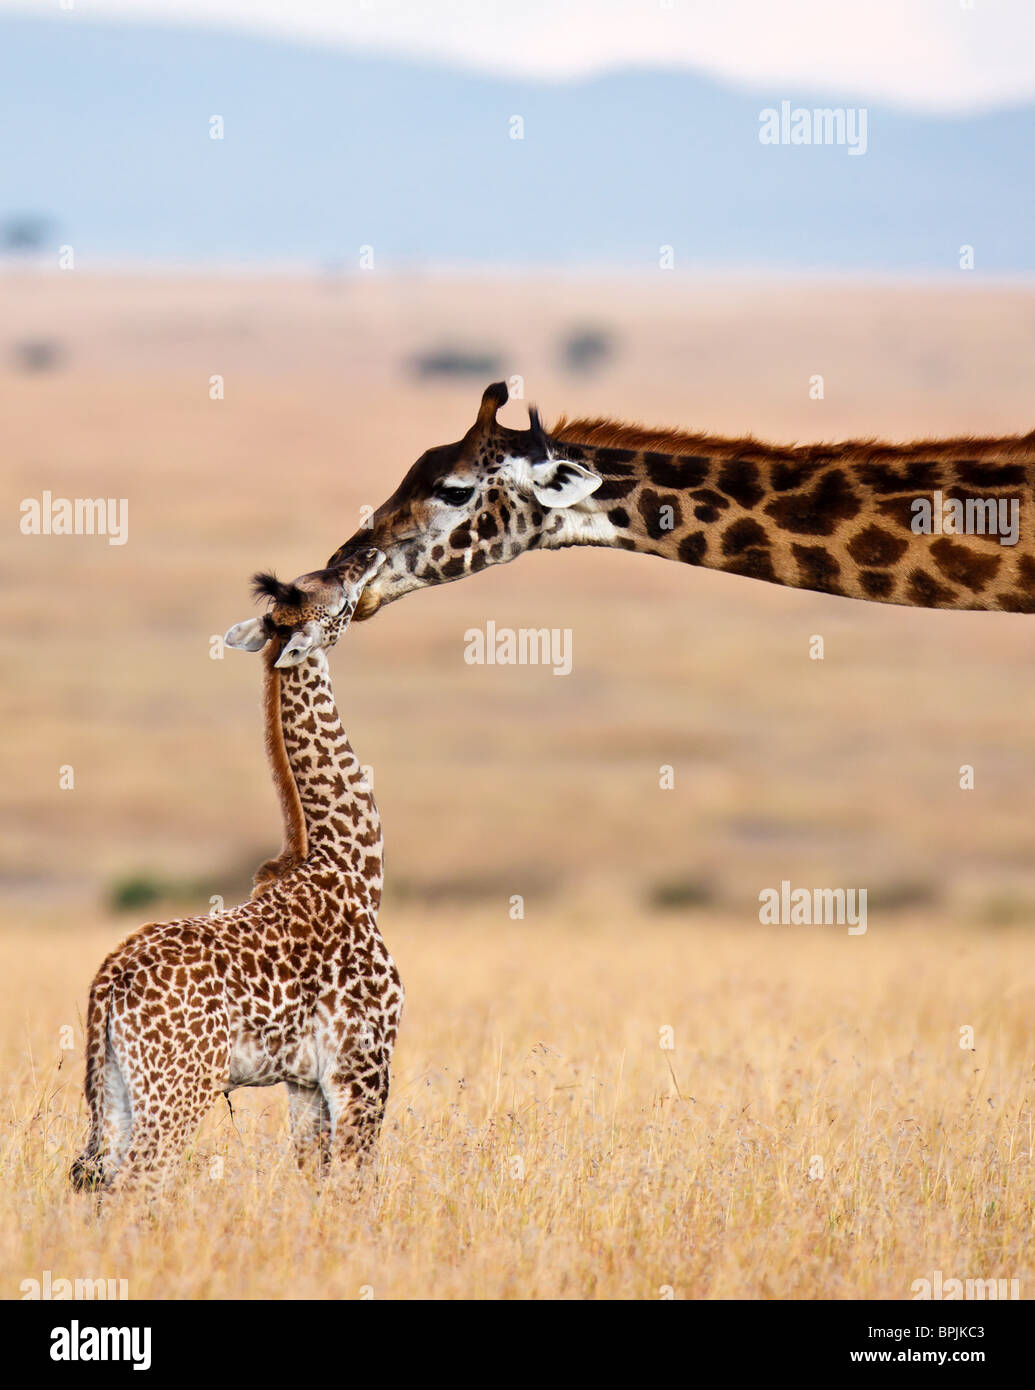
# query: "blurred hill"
{"points": [[325, 153]]}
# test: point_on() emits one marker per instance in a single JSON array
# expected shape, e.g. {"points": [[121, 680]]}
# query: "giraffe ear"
{"points": [[563, 483], [298, 646], [248, 636]]}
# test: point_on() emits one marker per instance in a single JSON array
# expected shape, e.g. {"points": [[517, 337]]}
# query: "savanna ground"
{"points": [[816, 1129]]}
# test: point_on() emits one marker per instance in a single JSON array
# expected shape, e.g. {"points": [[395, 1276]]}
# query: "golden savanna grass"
{"points": [[816, 1129]]}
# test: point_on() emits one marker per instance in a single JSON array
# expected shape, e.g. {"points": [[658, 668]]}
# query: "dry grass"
{"points": [[537, 1145], [789, 1042]]}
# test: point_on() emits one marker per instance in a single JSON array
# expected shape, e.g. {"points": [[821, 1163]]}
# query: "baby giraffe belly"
{"points": [[266, 1057]]}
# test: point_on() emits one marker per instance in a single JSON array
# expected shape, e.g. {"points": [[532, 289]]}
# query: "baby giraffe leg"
{"points": [[310, 1124], [357, 1091], [167, 1111]]}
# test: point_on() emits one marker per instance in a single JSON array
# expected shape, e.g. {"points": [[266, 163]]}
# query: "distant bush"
{"points": [[141, 889], [457, 362], [676, 893], [25, 232], [134, 892], [898, 895], [474, 889], [37, 356], [586, 349]]}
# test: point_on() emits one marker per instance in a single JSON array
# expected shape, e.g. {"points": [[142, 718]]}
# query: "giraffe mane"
{"points": [[296, 841], [608, 433]]}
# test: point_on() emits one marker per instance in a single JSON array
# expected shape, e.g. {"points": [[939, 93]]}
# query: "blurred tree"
{"points": [[446, 361], [25, 232], [585, 349]]}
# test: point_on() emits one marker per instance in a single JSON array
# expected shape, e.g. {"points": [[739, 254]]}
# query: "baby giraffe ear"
{"points": [[563, 483], [248, 636], [298, 646]]}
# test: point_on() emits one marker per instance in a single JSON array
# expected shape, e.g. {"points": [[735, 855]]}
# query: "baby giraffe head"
{"points": [[308, 614]]}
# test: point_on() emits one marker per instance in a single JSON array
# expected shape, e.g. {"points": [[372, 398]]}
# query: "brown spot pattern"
{"points": [[819, 512]]}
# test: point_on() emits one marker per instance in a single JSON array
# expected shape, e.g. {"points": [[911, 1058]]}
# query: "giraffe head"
{"points": [[482, 501], [311, 612]]}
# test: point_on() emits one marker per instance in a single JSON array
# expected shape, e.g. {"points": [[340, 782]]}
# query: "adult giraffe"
{"points": [[931, 524]]}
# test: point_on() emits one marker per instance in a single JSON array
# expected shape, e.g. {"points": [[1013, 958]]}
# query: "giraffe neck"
{"points": [[340, 824], [295, 843], [936, 524]]}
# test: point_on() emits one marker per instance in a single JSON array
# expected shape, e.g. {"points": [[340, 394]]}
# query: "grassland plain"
{"points": [[815, 1131], [540, 1141]]}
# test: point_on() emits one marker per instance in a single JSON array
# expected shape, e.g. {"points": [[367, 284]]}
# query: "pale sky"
{"points": [[947, 55]]}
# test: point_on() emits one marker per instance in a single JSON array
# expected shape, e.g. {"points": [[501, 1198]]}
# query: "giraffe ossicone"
{"points": [[295, 985]]}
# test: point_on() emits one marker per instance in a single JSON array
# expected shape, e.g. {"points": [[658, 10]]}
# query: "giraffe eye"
{"points": [[455, 496]]}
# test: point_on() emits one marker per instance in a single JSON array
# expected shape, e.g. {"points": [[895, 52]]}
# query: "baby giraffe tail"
{"points": [[87, 1173]]}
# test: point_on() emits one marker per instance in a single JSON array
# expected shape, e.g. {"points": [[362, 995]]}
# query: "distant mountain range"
{"points": [[107, 134]]}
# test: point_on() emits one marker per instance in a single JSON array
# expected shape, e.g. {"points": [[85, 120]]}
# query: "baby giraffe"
{"points": [[295, 985]]}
